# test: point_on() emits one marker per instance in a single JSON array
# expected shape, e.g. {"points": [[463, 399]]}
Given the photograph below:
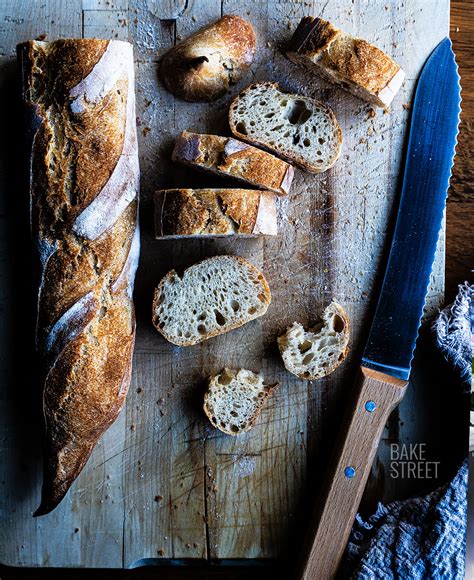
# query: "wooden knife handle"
{"points": [[343, 489]]}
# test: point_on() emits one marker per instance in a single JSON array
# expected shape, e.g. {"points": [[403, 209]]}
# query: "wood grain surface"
{"points": [[460, 209], [162, 485]]}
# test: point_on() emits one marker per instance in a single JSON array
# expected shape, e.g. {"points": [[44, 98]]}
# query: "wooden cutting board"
{"points": [[161, 483]]}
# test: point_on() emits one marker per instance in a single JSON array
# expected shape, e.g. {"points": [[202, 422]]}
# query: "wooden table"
{"points": [[280, 525], [460, 210]]}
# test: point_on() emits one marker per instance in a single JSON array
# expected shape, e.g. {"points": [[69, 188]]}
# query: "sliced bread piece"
{"points": [[352, 63], [210, 298], [214, 212], [235, 399], [228, 157], [316, 353], [298, 128]]}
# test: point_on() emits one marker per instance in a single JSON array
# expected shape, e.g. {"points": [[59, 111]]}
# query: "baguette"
{"points": [[214, 212], [298, 128], [228, 157], [202, 67], [235, 399], [352, 63], [316, 353], [210, 298], [84, 178]]}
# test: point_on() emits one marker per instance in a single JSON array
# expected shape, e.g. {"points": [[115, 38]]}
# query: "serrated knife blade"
{"points": [[429, 160], [386, 363]]}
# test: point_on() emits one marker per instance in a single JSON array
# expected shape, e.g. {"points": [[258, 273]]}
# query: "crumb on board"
{"points": [[77, 530], [406, 106], [42, 36], [158, 498], [145, 131], [161, 552], [133, 427], [363, 140], [139, 390], [372, 113]]}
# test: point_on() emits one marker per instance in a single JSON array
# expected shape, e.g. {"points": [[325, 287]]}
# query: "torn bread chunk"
{"points": [[234, 400], [210, 298], [352, 63], [316, 353]]}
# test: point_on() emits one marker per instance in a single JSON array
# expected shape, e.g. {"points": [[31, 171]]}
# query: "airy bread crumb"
{"points": [[235, 399], [316, 353]]}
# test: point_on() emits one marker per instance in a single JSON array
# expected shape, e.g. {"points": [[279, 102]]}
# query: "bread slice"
{"points": [[318, 352], [235, 399], [298, 128], [210, 298], [352, 63], [231, 158], [214, 212]]}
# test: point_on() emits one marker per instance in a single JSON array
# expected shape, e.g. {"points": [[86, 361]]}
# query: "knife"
{"points": [[386, 363]]}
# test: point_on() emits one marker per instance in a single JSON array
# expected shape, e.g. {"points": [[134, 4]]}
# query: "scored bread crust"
{"points": [[83, 184], [334, 309], [228, 157], [275, 147], [202, 67], [214, 212], [213, 384], [353, 63], [265, 291]]}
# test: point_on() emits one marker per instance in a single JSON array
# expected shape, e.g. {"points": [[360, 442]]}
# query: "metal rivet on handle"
{"points": [[349, 471], [370, 406]]}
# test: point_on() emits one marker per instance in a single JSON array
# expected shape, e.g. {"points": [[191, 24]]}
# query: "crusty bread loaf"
{"points": [[318, 352], [228, 157], [210, 298], [202, 67], [352, 63], [214, 212], [298, 128], [235, 399], [84, 178]]}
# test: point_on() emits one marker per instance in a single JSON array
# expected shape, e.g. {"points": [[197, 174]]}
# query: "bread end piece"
{"points": [[204, 66], [235, 399], [316, 353], [352, 63]]}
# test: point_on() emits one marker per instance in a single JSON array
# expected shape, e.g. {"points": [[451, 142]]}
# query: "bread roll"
{"points": [[80, 102], [202, 67]]}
